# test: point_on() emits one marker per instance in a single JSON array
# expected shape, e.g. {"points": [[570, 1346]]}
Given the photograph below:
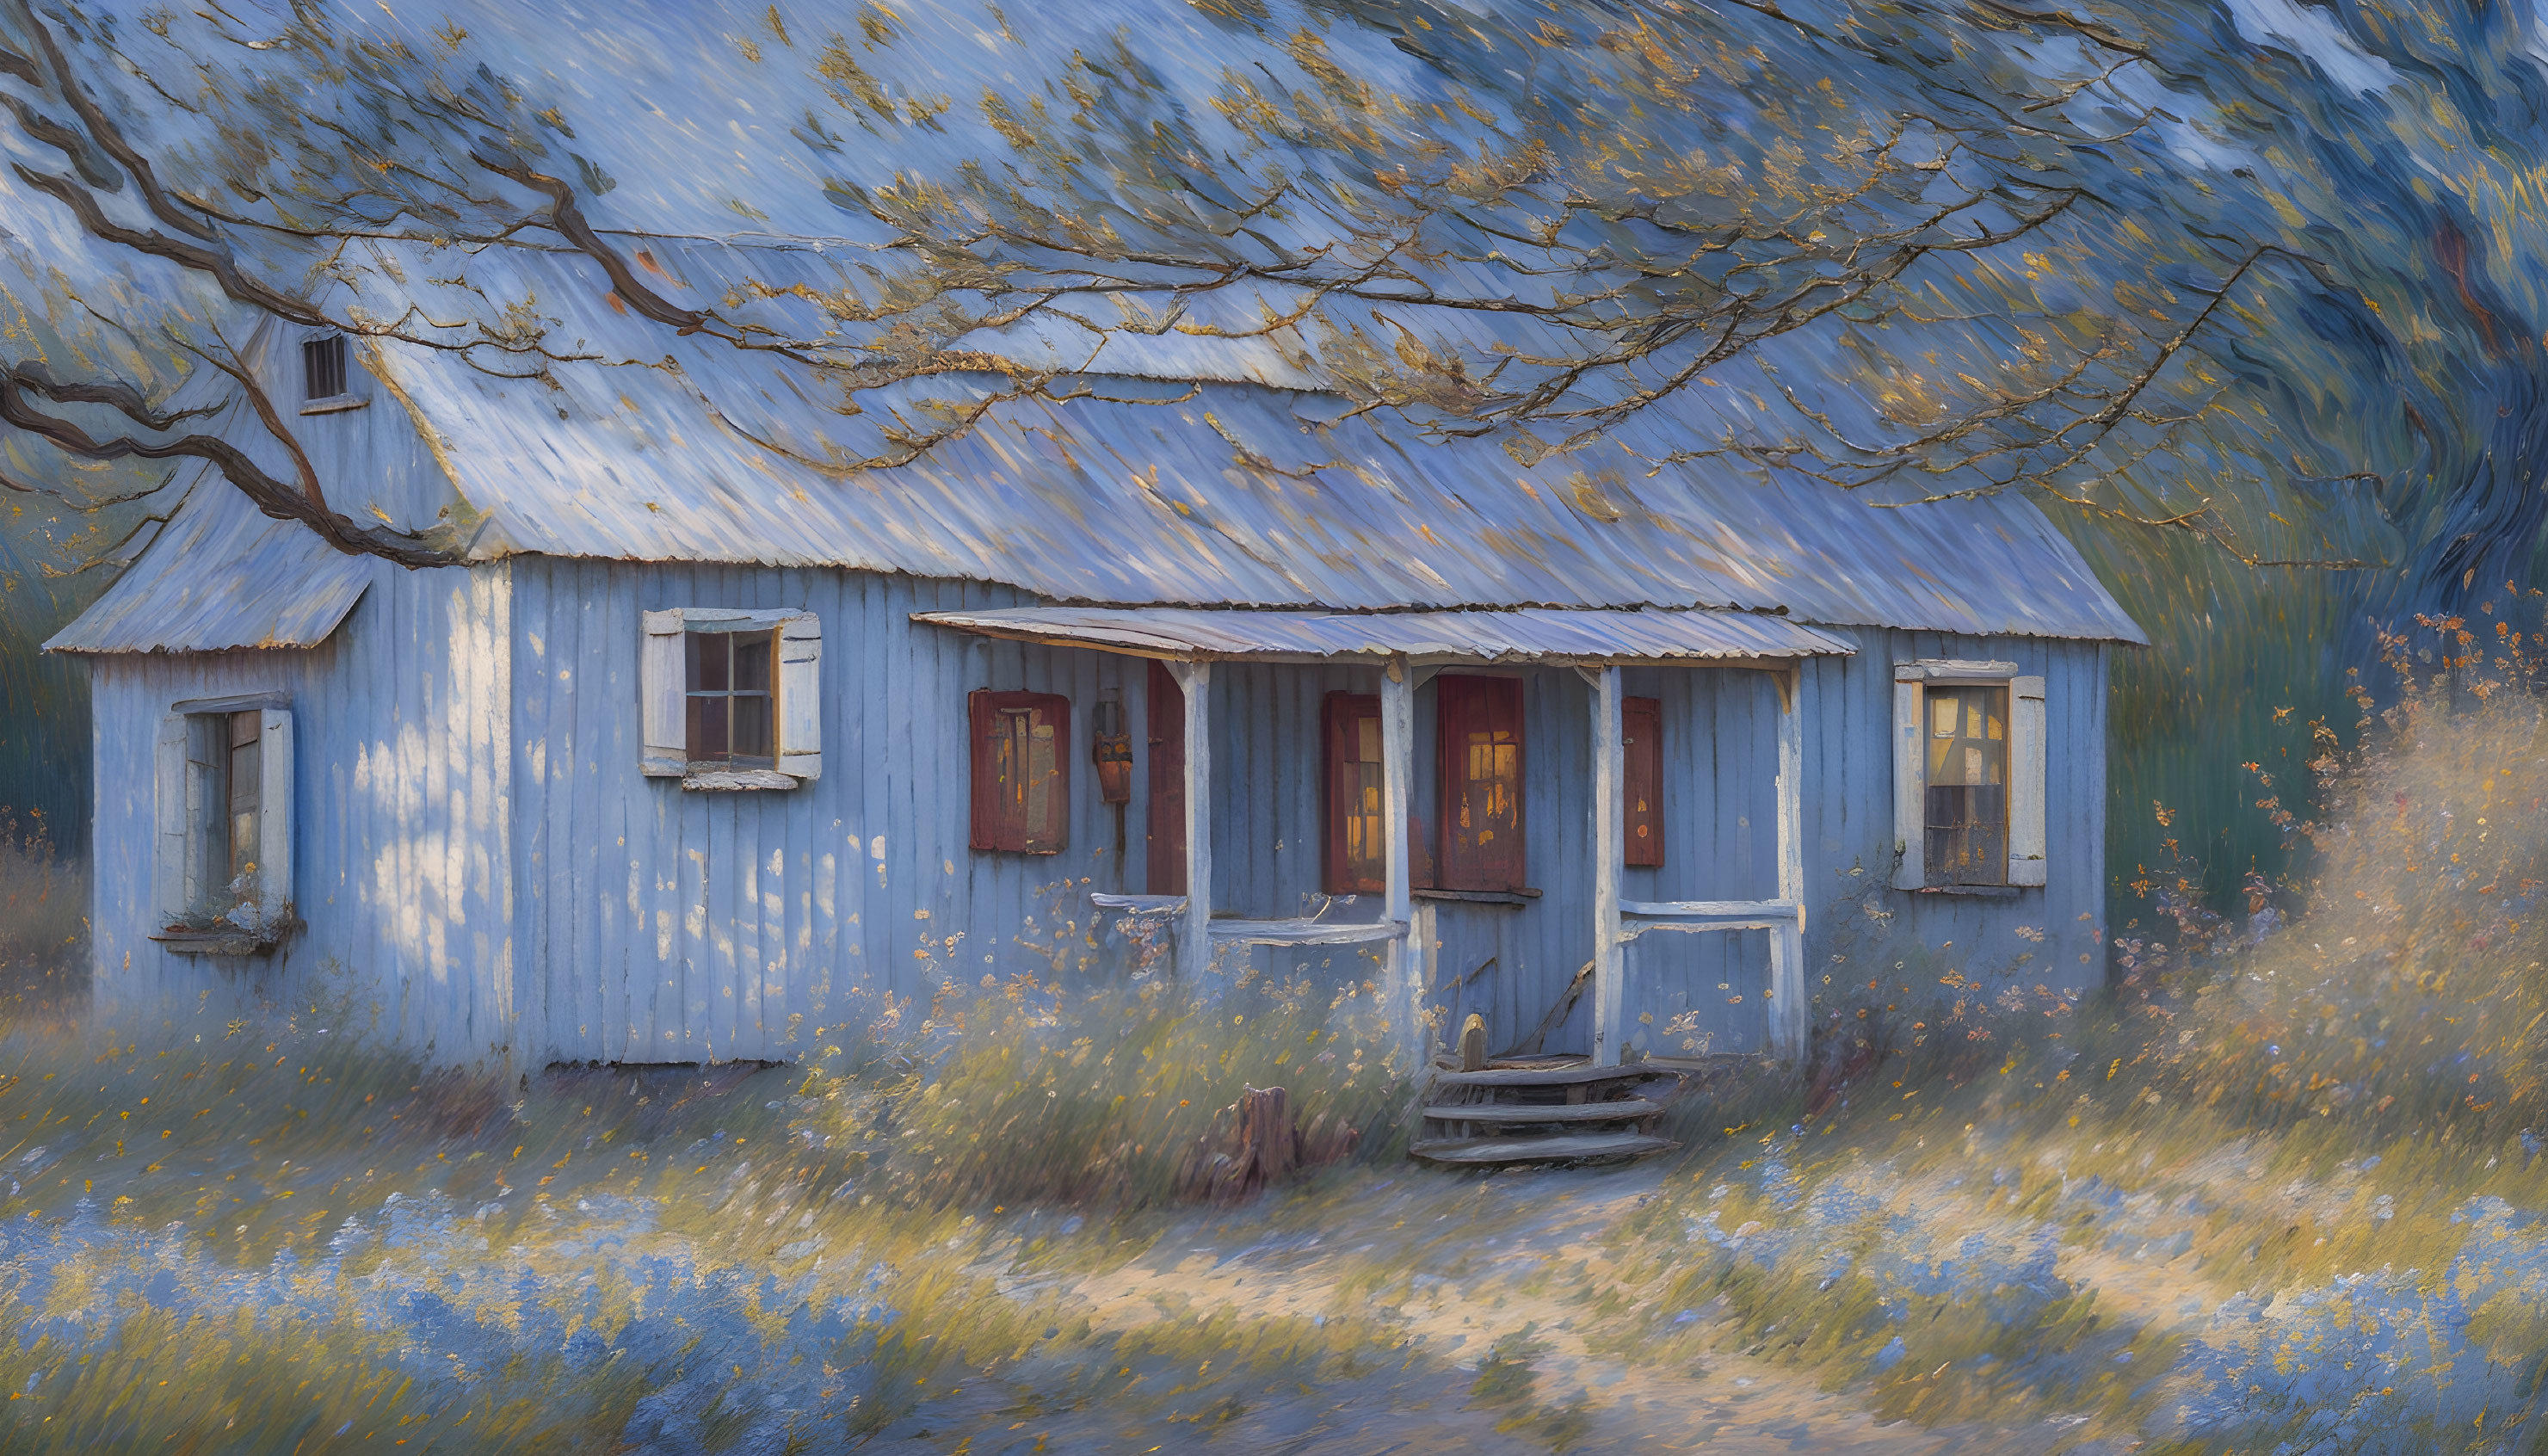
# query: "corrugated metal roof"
{"points": [[1199, 494], [1203, 495], [223, 576], [627, 440], [1533, 635]]}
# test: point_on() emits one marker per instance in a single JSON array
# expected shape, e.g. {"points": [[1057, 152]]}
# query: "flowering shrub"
{"points": [[2414, 985]]}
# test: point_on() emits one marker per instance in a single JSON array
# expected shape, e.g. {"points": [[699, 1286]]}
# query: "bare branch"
{"points": [[22, 383]]}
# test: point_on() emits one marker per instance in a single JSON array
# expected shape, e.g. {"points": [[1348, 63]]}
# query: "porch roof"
{"points": [[1528, 634], [236, 579]]}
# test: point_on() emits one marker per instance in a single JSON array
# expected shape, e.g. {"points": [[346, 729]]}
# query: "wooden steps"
{"points": [[1560, 1075], [1508, 1153], [1522, 1111], [1625, 1109]]}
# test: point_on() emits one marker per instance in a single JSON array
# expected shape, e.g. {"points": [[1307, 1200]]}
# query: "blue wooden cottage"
{"points": [[709, 740]]}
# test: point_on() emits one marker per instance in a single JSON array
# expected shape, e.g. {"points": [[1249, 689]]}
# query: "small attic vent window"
{"points": [[322, 368]]}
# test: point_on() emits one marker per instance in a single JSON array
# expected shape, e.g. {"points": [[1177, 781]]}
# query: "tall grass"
{"points": [[2413, 989], [257, 1237], [44, 920], [1118, 1094], [2283, 1195]]}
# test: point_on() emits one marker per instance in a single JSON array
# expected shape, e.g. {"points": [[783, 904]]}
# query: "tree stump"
{"points": [[1268, 1146], [1261, 1147]]}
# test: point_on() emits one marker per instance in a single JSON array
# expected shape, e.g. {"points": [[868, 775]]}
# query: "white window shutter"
{"points": [[168, 807], [274, 817], [207, 754], [1910, 779], [800, 696], [661, 691], [2026, 781]]}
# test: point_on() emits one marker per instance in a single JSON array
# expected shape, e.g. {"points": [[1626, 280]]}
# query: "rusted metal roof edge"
{"points": [[1587, 635], [221, 576], [316, 623]]}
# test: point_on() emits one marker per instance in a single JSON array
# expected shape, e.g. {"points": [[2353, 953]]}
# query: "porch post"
{"points": [[1609, 953], [1194, 940], [1396, 799], [1788, 941]]}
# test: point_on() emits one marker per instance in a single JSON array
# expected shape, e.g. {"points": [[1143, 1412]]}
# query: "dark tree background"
{"points": [[2246, 294]]}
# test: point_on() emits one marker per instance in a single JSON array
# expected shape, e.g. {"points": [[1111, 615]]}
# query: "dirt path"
{"points": [[1450, 1268]]}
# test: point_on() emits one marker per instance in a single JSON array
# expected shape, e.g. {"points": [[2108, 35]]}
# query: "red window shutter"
{"points": [[1167, 775], [1641, 721], [990, 824], [1355, 860], [1021, 772], [1478, 738]]}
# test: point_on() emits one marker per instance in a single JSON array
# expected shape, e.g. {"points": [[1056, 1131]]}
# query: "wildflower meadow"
{"points": [[2279, 1190]]}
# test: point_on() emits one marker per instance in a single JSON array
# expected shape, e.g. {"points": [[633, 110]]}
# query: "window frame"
{"points": [[796, 686], [1460, 863], [204, 852], [1960, 717], [729, 699], [348, 395], [2026, 783], [1000, 807], [1343, 717]]}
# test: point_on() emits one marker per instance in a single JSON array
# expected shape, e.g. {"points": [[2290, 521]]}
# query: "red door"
{"points": [[1478, 721], [1167, 769]]}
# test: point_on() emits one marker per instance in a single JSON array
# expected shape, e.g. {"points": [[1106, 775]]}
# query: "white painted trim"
{"points": [[730, 618], [1788, 941], [1397, 784], [1195, 939], [1423, 937], [660, 697], [1406, 985], [799, 680], [1634, 929], [1637, 917], [1780, 909], [1910, 779], [168, 890], [235, 703], [1953, 670], [2026, 781], [202, 811], [663, 694], [717, 776], [274, 779], [1138, 904], [1609, 957], [1306, 932], [2027, 784]]}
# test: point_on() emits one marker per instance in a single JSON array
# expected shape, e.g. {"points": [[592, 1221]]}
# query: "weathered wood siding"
{"points": [[402, 862], [1695, 990], [664, 924], [481, 860], [1689, 990], [2051, 936]]}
